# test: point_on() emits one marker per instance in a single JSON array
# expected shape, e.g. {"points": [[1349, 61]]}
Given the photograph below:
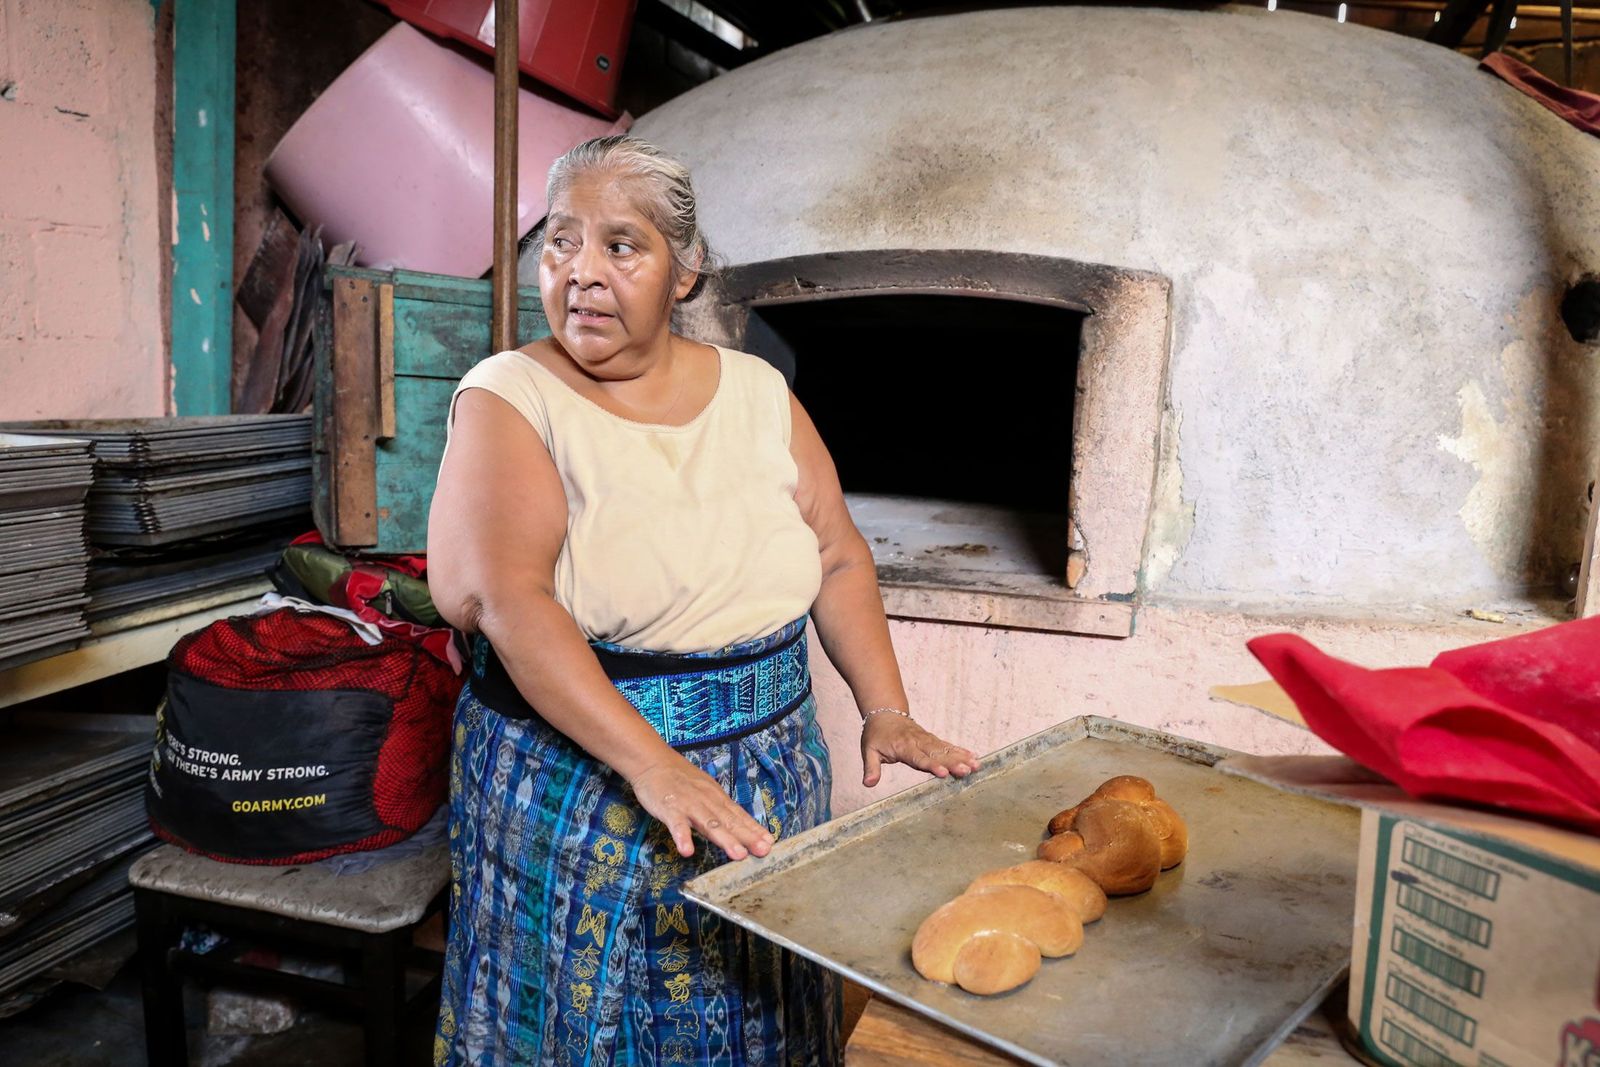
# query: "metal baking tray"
{"points": [[1215, 965], [50, 754]]}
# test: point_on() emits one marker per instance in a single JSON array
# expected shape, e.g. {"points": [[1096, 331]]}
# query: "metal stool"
{"points": [[370, 915]]}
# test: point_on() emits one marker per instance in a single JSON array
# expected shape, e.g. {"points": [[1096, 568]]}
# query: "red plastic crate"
{"points": [[576, 46]]}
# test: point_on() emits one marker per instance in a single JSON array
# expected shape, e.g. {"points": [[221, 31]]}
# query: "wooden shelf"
{"points": [[128, 641]]}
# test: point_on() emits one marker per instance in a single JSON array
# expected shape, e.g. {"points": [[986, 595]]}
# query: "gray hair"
{"points": [[666, 197]]}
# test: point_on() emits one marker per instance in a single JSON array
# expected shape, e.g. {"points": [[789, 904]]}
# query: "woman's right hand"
{"points": [[685, 799]]}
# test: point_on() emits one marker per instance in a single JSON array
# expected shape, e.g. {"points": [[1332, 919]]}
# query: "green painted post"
{"points": [[202, 182]]}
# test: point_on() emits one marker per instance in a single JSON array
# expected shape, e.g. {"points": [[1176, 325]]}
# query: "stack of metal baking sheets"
{"points": [[1214, 965], [44, 557], [101, 908], [71, 820], [122, 583], [161, 481], [212, 440], [152, 509]]}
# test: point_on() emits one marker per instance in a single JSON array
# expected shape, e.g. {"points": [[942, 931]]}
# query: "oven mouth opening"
{"points": [[997, 419], [950, 420]]}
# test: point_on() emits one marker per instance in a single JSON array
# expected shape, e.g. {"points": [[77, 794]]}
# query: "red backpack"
{"points": [[287, 738]]}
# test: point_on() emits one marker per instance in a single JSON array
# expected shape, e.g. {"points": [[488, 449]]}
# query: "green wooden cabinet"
{"points": [[391, 346]]}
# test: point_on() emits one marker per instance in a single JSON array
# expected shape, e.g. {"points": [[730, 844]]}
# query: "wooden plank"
{"points": [[888, 1035], [408, 465], [445, 340], [353, 420], [446, 288], [233, 595], [324, 473], [439, 339], [1055, 613], [452, 290], [506, 91], [1589, 573], [139, 646], [202, 194], [434, 328], [386, 424]]}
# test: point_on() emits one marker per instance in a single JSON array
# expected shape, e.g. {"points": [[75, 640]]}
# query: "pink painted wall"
{"points": [[985, 688], [80, 254]]}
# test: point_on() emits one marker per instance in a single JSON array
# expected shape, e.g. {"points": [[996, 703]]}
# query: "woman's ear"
{"points": [[689, 284]]}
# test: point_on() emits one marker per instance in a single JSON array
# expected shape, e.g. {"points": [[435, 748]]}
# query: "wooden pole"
{"points": [[1589, 569], [503, 328], [1566, 43]]}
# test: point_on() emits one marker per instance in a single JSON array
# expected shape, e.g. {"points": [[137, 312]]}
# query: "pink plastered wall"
{"points": [[80, 254], [985, 688]]}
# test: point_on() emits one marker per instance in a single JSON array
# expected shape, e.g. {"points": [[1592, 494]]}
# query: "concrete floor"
{"points": [[79, 1027], [76, 1026]]}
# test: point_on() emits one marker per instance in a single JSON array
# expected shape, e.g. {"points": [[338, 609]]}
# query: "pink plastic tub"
{"points": [[398, 155]]}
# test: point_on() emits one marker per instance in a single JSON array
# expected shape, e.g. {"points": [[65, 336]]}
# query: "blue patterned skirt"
{"points": [[570, 942]]}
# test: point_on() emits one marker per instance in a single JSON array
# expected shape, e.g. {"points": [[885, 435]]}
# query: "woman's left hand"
{"points": [[890, 738]]}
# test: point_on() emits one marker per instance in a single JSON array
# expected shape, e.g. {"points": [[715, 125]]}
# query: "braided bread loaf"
{"points": [[991, 939], [1086, 899], [1122, 835]]}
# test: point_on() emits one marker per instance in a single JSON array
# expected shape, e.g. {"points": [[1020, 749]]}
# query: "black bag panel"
{"points": [[264, 774]]}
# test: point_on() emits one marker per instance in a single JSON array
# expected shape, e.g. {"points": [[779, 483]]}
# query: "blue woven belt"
{"points": [[690, 700]]}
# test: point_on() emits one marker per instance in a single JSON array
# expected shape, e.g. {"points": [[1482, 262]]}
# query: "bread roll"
{"points": [[1086, 899], [1120, 847], [994, 962], [1122, 787], [1042, 918], [1172, 830], [1060, 848], [1169, 825]]}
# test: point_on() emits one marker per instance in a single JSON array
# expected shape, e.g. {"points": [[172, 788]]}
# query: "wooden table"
{"points": [[887, 1035]]}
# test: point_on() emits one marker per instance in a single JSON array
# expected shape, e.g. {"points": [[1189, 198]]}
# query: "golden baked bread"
{"points": [[1087, 900], [994, 962], [1169, 825], [1173, 831], [991, 938], [1060, 848], [1043, 919], [1115, 842], [1122, 787]]}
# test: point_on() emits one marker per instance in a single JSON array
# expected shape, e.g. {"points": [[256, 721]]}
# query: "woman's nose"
{"points": [[587, 267]]}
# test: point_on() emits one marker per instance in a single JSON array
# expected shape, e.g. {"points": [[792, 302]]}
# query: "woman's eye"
{"points": [[622, 248], [560, 243]]}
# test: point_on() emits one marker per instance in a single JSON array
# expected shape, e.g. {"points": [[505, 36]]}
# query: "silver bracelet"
{"points": [[875, 711]]}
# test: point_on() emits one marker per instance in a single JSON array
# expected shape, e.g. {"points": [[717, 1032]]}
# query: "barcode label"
{"points": [[1443, 914], [1458, 872], [1449, 969], [1411, 1047], [1431, 1010]]}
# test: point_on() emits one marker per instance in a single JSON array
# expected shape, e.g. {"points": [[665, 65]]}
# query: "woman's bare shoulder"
{"points": [[544, 353]]}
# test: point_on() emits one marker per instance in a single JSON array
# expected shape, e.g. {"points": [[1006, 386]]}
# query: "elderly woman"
{"points": [[634, 527]]}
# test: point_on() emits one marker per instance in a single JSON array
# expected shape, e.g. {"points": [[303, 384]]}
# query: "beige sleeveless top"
{"points": [[679, 538]]}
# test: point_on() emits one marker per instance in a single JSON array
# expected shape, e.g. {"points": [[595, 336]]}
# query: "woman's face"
{"points": [[606, 276]]}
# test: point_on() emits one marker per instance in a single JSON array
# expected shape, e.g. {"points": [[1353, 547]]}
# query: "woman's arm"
{"points": [[849, 619], [498, 522]]}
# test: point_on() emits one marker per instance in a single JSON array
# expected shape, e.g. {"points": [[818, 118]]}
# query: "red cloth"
{"points": [[1576, 106], [365, 582], [1508, 724]]}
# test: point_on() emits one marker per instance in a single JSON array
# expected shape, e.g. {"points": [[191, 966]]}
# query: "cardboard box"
{"points": [[1477, 935]]}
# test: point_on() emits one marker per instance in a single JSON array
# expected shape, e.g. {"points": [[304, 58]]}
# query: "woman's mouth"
{"points": [[588, 316]]}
